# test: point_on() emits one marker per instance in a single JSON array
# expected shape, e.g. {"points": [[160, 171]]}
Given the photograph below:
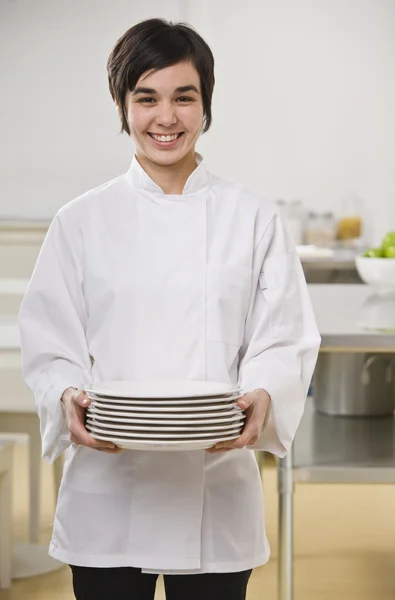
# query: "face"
{"points": [[165, 114]]}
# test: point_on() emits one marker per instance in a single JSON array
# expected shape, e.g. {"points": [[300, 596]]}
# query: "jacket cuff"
{"points": [[54, 433], [285, 411]]}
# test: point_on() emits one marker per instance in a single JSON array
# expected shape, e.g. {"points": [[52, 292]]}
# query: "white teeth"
{"points": [[165, 138]]}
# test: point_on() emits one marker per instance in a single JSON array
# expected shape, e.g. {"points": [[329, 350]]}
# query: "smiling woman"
{"points": [[164, 122], [165, 273], [161, 78]]}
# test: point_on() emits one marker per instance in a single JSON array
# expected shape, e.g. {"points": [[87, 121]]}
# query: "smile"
{"points": [[165, 138]]}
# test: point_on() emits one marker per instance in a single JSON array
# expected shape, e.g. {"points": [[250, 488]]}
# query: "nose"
{"points": [[166, 115]]}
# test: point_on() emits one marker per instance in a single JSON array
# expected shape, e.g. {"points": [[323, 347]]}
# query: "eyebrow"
{"points": [[180, 90]]}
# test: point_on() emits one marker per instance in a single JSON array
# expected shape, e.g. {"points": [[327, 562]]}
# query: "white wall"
{"points": [[303, 106], [305, 97], [58, 125]]}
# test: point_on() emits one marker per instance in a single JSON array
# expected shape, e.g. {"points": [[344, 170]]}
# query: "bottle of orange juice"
{"points": [[349, 226]]}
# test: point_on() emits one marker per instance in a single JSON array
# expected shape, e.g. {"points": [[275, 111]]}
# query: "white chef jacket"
{"points": [[132, 283]]}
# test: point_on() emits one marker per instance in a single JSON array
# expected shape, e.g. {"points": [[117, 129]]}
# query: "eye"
{"points": [[146, 100], [184, 99]]}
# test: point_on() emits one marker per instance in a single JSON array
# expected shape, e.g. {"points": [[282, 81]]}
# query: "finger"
{"points": [[253, 440], [249, 432], [81, 399], [114, 450], [247, 435], [246, 401], [100, 444], [79, 435], [230, 445], [90, 443]]}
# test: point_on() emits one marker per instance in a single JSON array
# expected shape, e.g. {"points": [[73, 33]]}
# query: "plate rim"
{"points": [[190, 428], [160, 446], [227, 413], [165, 401], [230, 387], [194, 408], [233, 419], [161, 435]]}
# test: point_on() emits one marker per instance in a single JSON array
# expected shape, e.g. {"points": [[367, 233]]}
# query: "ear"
{"points": [[119, 111]]}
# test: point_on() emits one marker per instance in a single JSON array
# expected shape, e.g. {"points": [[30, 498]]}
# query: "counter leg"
{"points": [[285, 529]]}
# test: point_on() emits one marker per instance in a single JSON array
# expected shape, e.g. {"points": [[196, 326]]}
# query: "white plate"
{"points": [[161, 389], [159, 415], [161, 436], [157, 422], [164, 407], [183, 445], [121, 402], [93, 423]]}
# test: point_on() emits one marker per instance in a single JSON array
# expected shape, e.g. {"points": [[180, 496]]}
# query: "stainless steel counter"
{"points": [[340, 259], [330, 449], [335, 269], [346, 315], [333, 449]]}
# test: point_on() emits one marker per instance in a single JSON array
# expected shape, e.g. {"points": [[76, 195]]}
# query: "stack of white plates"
{"points": [[164, 415]]}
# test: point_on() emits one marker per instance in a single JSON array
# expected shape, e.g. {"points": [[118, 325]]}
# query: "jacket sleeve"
{"points": [[281, 342], [52, 324]]}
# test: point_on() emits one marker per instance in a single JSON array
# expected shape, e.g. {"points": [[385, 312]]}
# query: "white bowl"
{"points": [[377, 272], [378, 312]]}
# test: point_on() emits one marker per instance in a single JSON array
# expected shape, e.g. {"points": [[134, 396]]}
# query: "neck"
{"points": [[170, 178]]}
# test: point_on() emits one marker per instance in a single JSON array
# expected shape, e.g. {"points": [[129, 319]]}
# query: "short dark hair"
{"points": [[157, 44]]}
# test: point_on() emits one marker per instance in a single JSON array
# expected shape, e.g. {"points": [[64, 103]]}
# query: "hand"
{"points": [[256, 405], [75, 403]]}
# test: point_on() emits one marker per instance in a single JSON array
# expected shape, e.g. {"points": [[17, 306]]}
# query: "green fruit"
{"points": [[390, 252], [374, 253], [389, 241]]}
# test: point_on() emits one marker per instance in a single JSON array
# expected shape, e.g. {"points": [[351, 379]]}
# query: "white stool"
{"points": [[21, 560], [19, 246], [28, 423], [17, 415]]}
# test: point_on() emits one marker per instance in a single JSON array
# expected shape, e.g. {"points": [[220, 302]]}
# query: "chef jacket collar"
{"points": [[196, 182]]}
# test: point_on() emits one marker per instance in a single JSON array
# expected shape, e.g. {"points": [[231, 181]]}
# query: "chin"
{"points": [[166, 158]]}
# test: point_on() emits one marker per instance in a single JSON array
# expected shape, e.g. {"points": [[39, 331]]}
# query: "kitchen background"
{"points": [[304, 114], [303, 105]]}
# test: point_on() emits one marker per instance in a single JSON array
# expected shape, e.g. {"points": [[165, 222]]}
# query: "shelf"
{"points": [[343, 449]]}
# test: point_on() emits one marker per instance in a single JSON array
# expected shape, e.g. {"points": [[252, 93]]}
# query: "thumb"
{"points": [[81, 398], [245, 401]]}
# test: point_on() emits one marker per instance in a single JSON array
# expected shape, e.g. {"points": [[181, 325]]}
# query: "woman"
{"points": [[165, 272]]}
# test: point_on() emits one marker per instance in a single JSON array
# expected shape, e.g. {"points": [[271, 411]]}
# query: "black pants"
{"points": [[127, 583]]}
